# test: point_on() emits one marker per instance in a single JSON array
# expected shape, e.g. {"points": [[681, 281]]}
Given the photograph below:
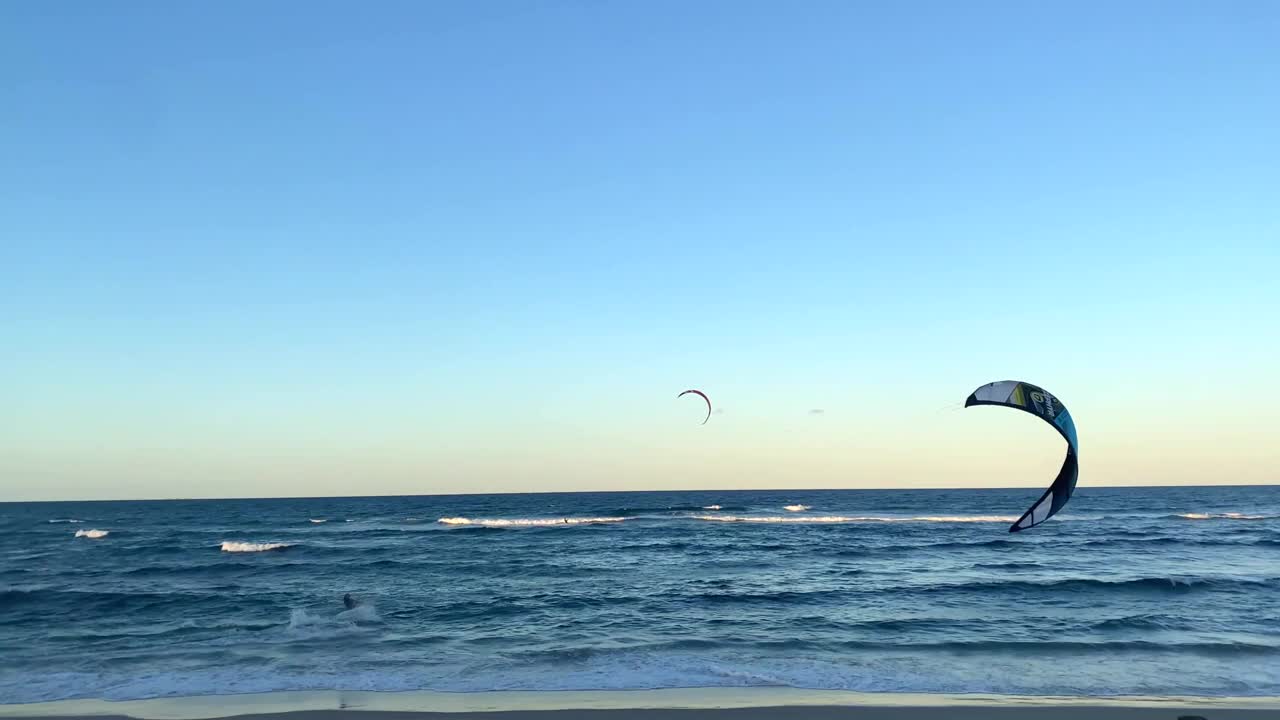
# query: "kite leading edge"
{"points": [[702, 395]]}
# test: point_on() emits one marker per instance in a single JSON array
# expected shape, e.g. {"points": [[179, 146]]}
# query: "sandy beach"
{"points": [[776, 713], [749, 704]]}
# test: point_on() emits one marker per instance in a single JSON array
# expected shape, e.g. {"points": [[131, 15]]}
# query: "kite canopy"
{"points": [[1037, 401], [702, 395]]}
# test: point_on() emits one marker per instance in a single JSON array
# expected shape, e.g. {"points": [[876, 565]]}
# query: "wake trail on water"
{"points": [[313, 624]]}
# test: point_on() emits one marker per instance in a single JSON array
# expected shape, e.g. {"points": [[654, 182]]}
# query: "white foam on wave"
{"points": [[527, 522], [1223, 516], [318, 520], [958, 518], [361, 614], [778, 519], [858, 519], [65, 520], [240, 547], [795, 508], [345, 621], [93, 534], [710, 507]]}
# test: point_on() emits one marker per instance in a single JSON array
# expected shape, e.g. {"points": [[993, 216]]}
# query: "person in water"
{"points": [[349, 602]]}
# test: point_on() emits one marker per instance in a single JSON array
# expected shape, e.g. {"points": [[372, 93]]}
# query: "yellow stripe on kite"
{"points": [[1017, 398]]}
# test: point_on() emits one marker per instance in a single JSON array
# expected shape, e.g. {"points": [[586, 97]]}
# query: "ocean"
{"points": [[1150, 591]]}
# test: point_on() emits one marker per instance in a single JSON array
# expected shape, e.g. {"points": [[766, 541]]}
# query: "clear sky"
{"points": [[313, 248]]}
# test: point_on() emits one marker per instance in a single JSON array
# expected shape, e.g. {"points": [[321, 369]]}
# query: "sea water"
{"points": [[1127, 591]]}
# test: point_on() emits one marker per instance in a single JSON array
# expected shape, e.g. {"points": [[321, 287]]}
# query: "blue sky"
{"points": [[331, 248]]}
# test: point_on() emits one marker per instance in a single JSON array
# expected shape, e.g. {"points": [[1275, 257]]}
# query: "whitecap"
{"points": [[1223, 516], [711, 507], [526, 522], [858, 518], [93, 534], [318, 520], [957, 519], [65, 520], [233, 546], [777, 519], [795, 508]]}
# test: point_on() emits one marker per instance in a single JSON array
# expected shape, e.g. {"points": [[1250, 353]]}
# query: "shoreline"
{"points": [[665, 704]]}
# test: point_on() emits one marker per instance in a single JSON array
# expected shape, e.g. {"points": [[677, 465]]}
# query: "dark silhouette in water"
{"points": [[349, 601]]}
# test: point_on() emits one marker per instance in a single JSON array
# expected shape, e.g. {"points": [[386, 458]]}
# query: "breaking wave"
{"points": [[65, 520], [93, 534], [1223, 516], [318, 520], [795, 508], [247, 547], [860, 519], [527, 522]]}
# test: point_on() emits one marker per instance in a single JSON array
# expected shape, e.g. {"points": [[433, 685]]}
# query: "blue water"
{"points": [[1128, 591]]}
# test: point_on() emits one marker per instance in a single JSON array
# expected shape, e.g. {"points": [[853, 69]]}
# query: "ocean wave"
{"points": [[1043, 647], [65, 520], [795, 508], [1008, 566], [35, 605], [1144, 622], [775, 519], [1223, 516], [1155, 540], [859, 518], [248, 547], [1162, 584], [780, 597], [527, 522], [93, 534], [628, 511], [318, 520], [648, 667], [998, 542], [704, 507]]}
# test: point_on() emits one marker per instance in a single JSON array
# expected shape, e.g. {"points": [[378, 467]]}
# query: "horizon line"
{"points": [[613, 492]]}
